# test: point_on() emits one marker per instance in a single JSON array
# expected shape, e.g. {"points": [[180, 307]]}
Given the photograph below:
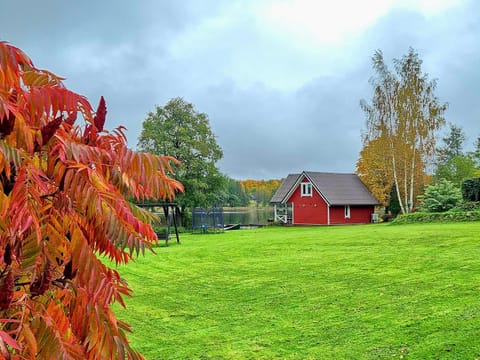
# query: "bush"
{"points": [[467, 206], [440, 197]]}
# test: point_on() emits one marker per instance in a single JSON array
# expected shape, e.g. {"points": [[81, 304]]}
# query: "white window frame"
{"points": [[306, 189], [347, 211]]}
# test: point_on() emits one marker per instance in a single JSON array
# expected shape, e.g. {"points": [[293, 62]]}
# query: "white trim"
{"points": [[328, 214], [292, 189], [282, 217], [293, 216], [316, 188], [297, 183]]}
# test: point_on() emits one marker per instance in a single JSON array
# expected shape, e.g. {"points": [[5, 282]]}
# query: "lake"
{"points": [[248, 215]]}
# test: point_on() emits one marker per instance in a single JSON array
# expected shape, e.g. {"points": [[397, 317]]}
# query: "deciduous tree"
{"points": [[374, 169], [476, 152], [404, 116], [260, 190], [456, 169], [235, 194], [452, 163], [63, 191], [178, 130]]}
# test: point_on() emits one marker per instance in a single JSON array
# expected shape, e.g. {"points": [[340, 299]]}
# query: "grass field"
{"points": [[348, 292]]}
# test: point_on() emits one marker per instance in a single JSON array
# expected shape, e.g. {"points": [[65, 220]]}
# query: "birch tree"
{"points": [[404, 116]]}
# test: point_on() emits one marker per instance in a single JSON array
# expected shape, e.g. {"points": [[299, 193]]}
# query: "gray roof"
{"points": [[336, 189], [284, 188]]}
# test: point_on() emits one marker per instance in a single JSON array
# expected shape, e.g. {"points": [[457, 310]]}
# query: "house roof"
{"points": [[284, 188], [336, 189]]}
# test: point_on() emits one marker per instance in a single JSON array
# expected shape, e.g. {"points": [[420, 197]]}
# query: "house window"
{"points": [[306, 189], [347, 211]]}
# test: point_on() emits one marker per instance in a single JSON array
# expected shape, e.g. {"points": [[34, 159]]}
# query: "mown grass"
{"points": [[350, 292]]}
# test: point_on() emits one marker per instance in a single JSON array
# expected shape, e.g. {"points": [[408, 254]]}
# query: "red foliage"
{"points": [[63, 202], [42, 282], [49, 130], [6, 291], [7, 123], [101, 115], [7, 256]]}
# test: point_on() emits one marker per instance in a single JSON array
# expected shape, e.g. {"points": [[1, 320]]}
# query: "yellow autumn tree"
{"points": [[373, 168], [261, 190], [403, 119]]}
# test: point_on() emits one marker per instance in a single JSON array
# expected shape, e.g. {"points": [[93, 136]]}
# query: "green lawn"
{"points": [[349, 292]]}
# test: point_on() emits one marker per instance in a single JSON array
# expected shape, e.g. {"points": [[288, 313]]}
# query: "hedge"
{"points": [[471, 189], [449, 216]]}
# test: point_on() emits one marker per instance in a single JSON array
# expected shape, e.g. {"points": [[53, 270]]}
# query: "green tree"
{"points": [[456, 169], [476, 152], [404, 116], [452, 145], [178, 130], [440, 197], [393, 206], [236, 196]]}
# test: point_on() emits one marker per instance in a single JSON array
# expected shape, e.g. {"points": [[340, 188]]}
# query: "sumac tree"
{"points": [[63, 204]]}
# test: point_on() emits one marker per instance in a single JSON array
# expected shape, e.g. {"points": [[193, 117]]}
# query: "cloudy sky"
{"points": [[280, 80]]}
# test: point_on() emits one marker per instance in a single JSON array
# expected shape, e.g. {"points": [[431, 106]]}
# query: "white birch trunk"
{"points": [[405, 182], [412, 181], [395, 180]]}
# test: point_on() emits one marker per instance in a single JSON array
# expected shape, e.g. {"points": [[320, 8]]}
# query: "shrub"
{"points": [[467, 206], [440, 197]]}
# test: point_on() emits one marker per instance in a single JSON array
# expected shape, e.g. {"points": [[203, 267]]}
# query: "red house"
{"points": [[318, 198]]}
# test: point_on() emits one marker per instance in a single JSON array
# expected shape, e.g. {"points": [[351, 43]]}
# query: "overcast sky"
{"points": [[281, 81]]}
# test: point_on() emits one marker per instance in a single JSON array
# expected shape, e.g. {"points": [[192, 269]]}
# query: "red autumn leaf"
{"points": [[62, 209], [100, 115]]}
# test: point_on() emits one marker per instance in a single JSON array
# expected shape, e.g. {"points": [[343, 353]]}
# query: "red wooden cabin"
{"points": [[318, 198]]}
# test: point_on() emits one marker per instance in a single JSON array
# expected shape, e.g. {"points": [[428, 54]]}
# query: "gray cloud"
{"points": [[275, 108]]}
